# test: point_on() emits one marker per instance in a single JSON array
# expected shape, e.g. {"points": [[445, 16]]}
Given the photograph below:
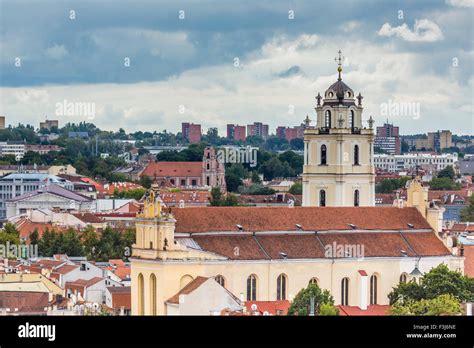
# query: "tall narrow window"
{"points": [[252, 288], [327, 119], [356, 155], [153, 294], [373, 289], [356, 198], [220, 279], [322, 198], [314, 281], [345, 292], [351, 119], [323, 154], [403, 278], [281, 287], [141, 295]]}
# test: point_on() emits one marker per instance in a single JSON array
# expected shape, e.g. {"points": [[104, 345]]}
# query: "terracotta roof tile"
{"points": [[66, 269], [371, 310], [469, 261], [426, 243], [173, 169], [121, 297], [233, 247], [193, 285], [293, 246], [206, 219], [271, 307]]}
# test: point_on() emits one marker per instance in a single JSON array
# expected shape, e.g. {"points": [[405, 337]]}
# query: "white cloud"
{"points": [[460, 3], [56, 51], [216, 95], [424, 30]]}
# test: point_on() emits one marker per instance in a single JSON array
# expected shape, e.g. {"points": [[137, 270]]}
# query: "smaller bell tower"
{"points": [[154, 230]]}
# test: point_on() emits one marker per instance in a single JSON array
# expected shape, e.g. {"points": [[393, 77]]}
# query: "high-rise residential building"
{"points": [[440, 140], [388, 139], [435, 141], [236, 132], [258, 129], [191, 132], [338, 165], [49, 124], [2, 122], [290, 133]]}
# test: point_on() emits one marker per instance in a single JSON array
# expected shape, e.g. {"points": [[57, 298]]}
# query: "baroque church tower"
{"points": [[338, 166]]}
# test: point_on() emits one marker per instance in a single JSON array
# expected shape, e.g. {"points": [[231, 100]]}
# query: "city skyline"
{"points": [[202, 66]]}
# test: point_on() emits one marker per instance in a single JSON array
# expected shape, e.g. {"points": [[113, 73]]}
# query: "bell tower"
{"points": [[338, 166]]}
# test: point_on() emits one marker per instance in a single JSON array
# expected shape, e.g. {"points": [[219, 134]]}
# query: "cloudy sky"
{"points": [[150, 65]]}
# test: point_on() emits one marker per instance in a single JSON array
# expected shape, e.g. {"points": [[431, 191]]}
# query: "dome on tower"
{"points": [[339, 90]]}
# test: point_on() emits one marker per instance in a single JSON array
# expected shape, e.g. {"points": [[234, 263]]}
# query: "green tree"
{"points": [[145, 181], [296, 188], [443, 184], [90, 241], [447, 172], [445, 304], [34, 237], [302, 301], [438, 281], [216, 197], [255, 177], [9, 234], [467, 214]]}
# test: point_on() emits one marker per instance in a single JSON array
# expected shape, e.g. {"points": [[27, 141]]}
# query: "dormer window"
{"points": [[330, 94], [349, 95]]}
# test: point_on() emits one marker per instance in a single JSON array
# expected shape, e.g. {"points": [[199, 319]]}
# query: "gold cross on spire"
{"points": [[339, 61]]}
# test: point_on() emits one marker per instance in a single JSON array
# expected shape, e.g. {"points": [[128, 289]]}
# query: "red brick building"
{"points": [[236, 132], [191, 132]]}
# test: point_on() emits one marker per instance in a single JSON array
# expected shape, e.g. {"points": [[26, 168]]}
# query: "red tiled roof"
{"points": [[88, 218], [85, 282], [303, 246], [186, 196], [271, 307], [121, 297], [463, 228], [371, 310], [362, 273], [173, 169], [120, 187], [25, 227], [233, 247], [206, 219], [469, 261], [193, 285], [66, 269]]}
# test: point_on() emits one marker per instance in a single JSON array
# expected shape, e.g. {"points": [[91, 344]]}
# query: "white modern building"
{"points": [[53, 197], [17, 184], [15, 148], [429, 162]]}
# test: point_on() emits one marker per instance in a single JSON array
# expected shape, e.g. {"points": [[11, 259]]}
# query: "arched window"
{"points": [[220, 279], [356, 155], [281, 287], [327, 119], [141, 295], [323, 154], [345, 292], [153, 294], [403, 278], [373, 289], [185, 280], [314, 280], [351, 119], [322, 198], [252, 288], [356, 198]]}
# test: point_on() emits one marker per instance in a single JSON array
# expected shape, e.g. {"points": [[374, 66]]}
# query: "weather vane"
{"points": [[339, 61]]}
